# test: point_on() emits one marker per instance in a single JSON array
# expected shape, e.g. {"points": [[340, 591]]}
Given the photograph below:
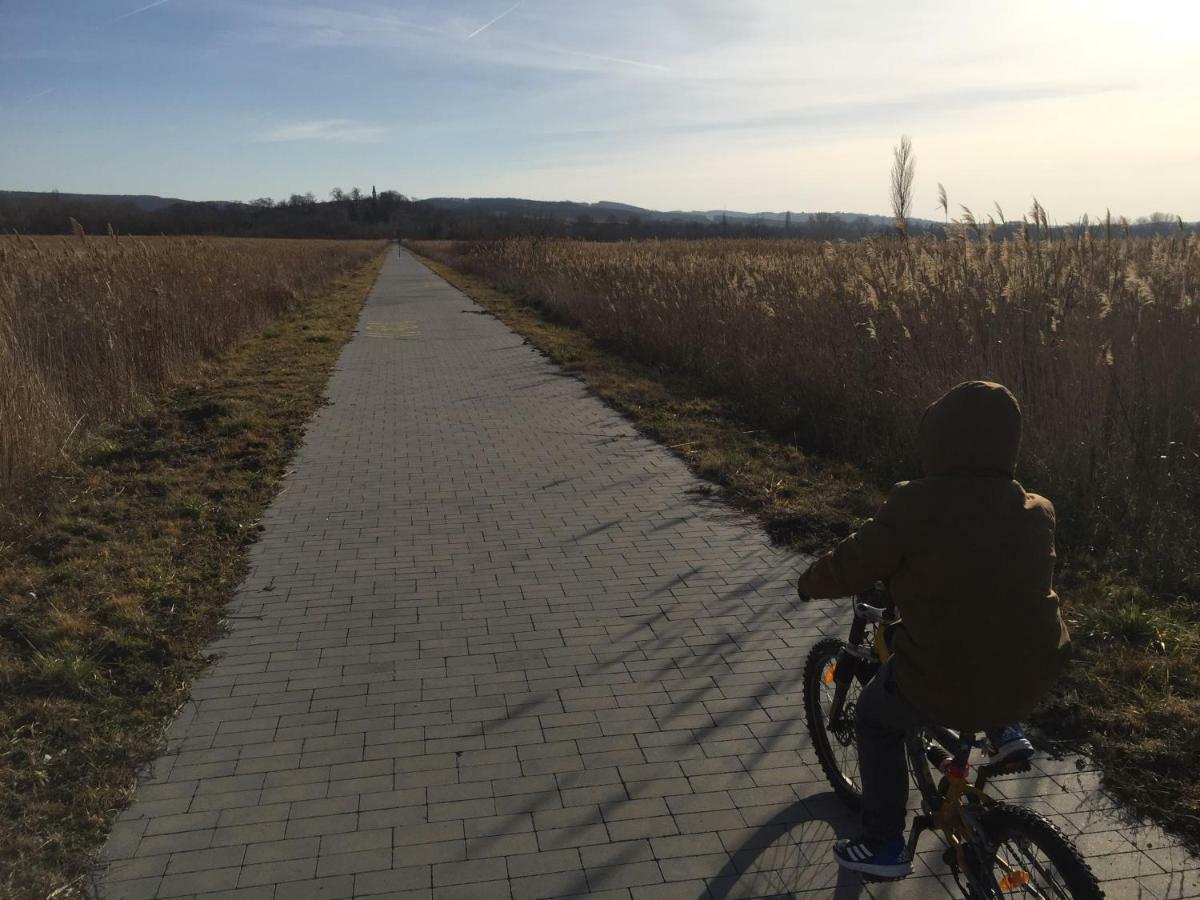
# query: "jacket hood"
{"points": [[974, 428]]}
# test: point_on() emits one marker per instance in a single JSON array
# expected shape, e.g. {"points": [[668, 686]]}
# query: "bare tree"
{"points": [[904, 167]]}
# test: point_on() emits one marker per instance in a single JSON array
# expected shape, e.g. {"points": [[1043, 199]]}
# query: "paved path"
{"points": [[495, 643]]}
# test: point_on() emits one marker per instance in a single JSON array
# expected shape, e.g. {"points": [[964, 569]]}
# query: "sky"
{"points": [[671, 104]]}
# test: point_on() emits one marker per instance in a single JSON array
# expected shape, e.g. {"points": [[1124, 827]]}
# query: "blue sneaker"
{"points": [[1009, 744], [880, 859]]}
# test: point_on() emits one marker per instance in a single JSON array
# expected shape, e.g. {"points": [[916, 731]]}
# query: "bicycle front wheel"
{"points": [[1032, 858], [832, 736]]}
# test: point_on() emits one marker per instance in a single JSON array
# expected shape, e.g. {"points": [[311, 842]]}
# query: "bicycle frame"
{"points": [[950, 813]]}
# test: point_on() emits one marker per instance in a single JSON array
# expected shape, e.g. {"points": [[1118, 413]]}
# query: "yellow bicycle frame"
{"points": [[880, 644], [948, 817]]}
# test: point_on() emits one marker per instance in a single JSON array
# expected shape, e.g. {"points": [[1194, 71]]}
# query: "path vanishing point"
{"points": [[494, 643]]}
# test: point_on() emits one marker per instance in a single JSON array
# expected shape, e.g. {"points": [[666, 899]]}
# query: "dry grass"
{"points": [[837, 348], [1132, 697], [115, 565], [89, 326]]}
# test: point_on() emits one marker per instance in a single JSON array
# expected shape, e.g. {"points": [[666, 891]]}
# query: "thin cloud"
{"points": [[584, 54], [306, 25], [488, 25], [838, 114], [140, 9], [351, 28], [599, 57], [35, 97], [338, 131]]}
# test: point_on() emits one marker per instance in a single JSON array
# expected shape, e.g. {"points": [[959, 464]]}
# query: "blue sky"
{"points": [[696, 104]]}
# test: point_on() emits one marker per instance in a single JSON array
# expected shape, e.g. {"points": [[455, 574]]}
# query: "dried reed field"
{"points": [[838, 348], [89, 326]]}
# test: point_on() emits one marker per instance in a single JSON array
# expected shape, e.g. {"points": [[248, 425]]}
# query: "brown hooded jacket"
{"points": [[968, 555]]}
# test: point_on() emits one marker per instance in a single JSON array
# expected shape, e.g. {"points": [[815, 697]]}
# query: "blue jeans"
{"points": [[882, 718]]}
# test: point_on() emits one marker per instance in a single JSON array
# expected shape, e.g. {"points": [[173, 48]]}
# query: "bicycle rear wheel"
{"points": [[1033, 859], [833, 741]]}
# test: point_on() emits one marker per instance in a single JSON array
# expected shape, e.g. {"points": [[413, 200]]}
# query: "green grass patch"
{"points": [[1131, 700], [114, 570], [1132, 696]]}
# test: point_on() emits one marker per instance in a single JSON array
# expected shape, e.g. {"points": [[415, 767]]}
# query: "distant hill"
{"points": [[389, 214], [559, 210], [573, 210], [144, 202]]}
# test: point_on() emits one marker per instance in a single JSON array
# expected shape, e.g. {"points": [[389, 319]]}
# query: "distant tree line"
{"points": [[390, 214], [350, 214]]}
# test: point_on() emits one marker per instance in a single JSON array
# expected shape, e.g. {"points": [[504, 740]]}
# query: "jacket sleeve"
{"points": [[870, 554]]}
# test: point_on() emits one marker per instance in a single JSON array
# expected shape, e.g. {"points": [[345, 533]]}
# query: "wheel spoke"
{"points": [[841, 733], [1031, 862], [831, 690]]}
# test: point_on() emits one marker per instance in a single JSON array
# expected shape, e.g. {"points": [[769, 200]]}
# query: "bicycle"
{"points": [[994, 850]]}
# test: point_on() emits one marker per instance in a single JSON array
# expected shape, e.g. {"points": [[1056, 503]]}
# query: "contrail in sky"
{"points": [[612, 59], [484, 27], [141, 9], [598, 57], [38, 96]]}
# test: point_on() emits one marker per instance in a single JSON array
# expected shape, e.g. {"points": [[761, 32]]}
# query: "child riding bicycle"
{"points": [[968, 555]]}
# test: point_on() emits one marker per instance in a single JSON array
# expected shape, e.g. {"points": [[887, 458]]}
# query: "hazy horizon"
{"points": [[752, 106]]}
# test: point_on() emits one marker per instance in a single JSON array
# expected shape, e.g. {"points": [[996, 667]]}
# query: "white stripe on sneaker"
{"points": [[859, 857]]}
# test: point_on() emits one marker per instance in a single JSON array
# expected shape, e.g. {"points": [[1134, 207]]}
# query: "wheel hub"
{"points": [[843, 728]]}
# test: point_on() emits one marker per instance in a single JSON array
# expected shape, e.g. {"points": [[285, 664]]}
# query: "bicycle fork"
{"points": [[849, 663]]}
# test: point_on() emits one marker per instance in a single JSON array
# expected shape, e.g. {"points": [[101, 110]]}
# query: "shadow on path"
{"points": [[790, 854]]}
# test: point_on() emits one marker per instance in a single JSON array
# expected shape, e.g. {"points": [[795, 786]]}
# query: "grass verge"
{"points": [[114, 570], [1131, 700]]}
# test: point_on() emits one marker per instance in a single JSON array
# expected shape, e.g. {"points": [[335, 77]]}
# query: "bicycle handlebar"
{"points": [[874, 614]]}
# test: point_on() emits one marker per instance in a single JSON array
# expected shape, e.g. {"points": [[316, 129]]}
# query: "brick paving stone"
{"points": [[494, 642]]}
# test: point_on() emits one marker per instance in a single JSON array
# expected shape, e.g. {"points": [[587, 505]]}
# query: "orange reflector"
{"points": [[1013, 880], [830, 672]]}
